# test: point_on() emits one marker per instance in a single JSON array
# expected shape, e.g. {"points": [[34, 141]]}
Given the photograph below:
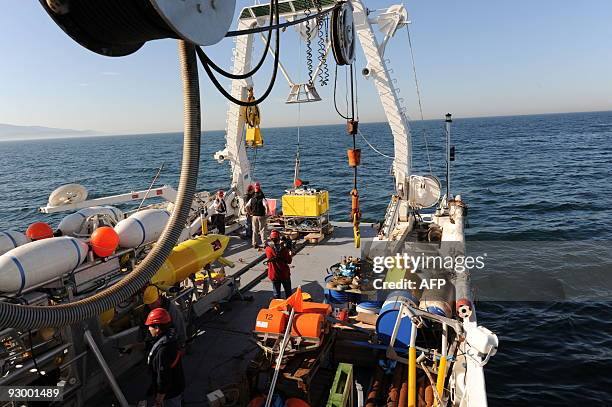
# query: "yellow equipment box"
{"points": [[306, 204]]}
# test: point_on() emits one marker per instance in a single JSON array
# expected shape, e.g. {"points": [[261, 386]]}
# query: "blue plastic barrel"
{"points": [[338, 297], [333, 296], [388, 315], [441, 308], [369, 307]]}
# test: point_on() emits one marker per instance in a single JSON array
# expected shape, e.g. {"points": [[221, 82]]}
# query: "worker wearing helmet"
{"points": [[279, 258], [164, 360], [258, 207], [152, 299], [220, 208]]}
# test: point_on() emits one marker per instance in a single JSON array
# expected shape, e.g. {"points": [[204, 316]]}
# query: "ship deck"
{"points": [[218, 357]]}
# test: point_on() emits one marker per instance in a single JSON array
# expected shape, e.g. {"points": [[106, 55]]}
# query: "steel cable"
{"points": [[418, 91]]}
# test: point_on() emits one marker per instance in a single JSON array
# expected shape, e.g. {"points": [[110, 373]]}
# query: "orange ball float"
{"points": [[258, 401], [293, 402], [39, 230], [104, 241]]}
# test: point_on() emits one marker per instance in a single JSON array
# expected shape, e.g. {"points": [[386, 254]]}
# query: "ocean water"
{"points": [[539, 204]]}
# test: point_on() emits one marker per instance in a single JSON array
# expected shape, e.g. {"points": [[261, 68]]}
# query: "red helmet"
{"points": [[274, 234], [257, 186], [220, 193], [158, 316]]}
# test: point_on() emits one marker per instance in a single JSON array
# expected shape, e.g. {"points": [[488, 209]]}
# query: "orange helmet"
{"points": [[158, 316]]}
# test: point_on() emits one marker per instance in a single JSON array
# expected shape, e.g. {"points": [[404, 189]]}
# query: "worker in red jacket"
{"points": [[279, 258]]}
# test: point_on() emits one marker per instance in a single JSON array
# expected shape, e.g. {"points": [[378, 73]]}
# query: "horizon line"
{"points": [[96, 133], [366, 122]]}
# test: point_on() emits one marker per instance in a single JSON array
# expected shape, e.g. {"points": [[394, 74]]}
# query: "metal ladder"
{"points": [[390, 216]]}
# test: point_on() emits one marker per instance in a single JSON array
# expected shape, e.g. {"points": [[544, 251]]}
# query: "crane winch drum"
{"points": [[121, 27], [343, 34]]}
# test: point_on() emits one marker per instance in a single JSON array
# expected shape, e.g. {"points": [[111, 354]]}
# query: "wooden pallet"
{"points": [[314, 238]]}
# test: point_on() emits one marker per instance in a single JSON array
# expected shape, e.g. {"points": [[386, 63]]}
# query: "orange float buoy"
{"points": [[271, 321], [293, 402], [39, 230], [317, 307], [257, 401], [354, 157], [104, 241], [307, 325]]}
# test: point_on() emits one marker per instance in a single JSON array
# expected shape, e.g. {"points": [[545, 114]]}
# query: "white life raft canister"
{"points": [[73, 223], [142, 227], [40, 261], [11, 239]]}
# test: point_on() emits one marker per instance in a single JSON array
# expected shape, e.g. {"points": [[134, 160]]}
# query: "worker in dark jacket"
{"points": [[152, 299], [164, 360], [258, 208], [279, 259]]}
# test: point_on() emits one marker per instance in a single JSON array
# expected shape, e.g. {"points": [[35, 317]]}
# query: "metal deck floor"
{"points": [[220, 355]]}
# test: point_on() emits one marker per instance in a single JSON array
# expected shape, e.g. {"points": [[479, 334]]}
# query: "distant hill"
{"points": [[12, 132]]}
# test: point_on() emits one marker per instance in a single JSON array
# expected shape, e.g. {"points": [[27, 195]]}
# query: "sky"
{"points": [[473, 58]]}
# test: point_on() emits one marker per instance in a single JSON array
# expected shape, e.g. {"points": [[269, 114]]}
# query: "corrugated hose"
{"points": [[33, 317]]}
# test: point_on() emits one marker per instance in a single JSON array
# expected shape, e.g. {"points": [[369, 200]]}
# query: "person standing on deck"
{"points": [[279, 259], [258, 207], [220, 208], [164, 360], [153, 300], [249, 217]]}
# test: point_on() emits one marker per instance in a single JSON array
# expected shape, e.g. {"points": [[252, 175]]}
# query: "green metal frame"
{"points": [[285, 7], [341, 392]]}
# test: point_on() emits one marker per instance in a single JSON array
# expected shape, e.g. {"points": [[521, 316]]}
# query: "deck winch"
{"points": [[119, 27]]}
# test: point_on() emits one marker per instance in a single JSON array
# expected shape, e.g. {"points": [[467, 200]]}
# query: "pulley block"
{"points": [[343, 34], [121, 27]]}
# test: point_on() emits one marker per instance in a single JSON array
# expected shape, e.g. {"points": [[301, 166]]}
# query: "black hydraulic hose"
{"points": [[335, 102], [263, 97], [206, 60], [33, 317]]}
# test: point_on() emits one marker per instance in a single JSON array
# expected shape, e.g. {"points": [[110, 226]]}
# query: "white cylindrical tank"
{"points": [[188, 232], [11, 239], [142, 227], [40, 261], [73, 223]]}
